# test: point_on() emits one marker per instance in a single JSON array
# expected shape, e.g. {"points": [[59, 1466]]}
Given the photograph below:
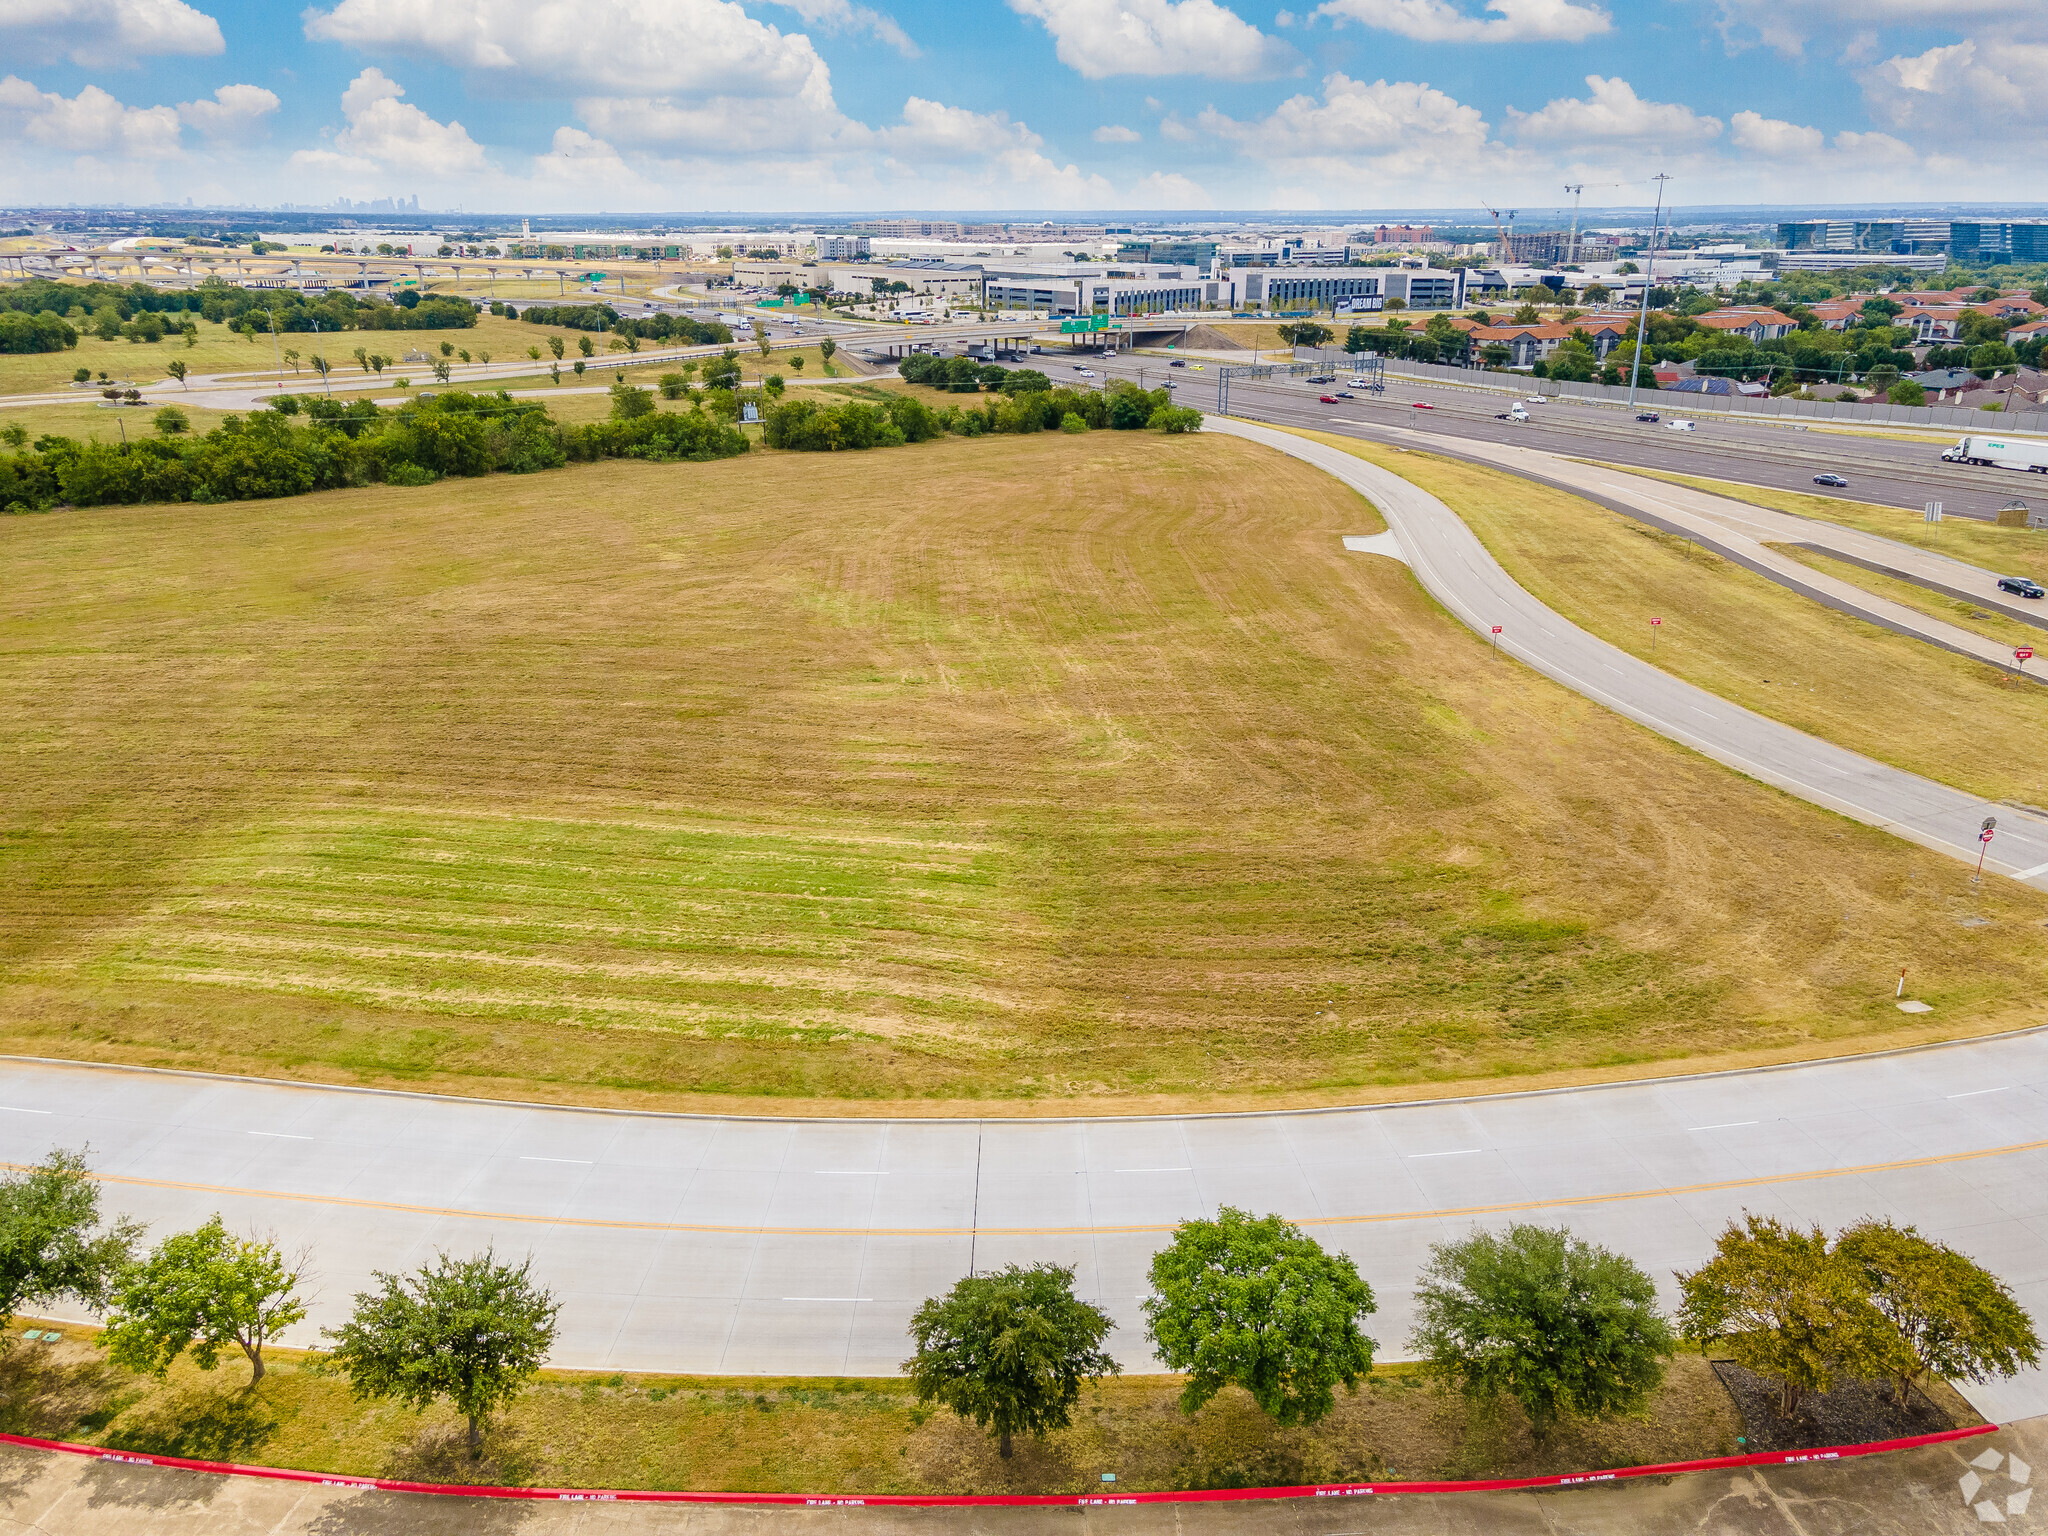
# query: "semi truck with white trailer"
{"points": [[2001, 452]]}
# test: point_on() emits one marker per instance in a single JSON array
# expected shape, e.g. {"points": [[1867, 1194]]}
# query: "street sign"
{"points": [[1655, 622], [1496, 629], [2023, 654]]}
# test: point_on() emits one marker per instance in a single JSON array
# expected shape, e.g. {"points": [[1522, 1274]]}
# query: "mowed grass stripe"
{"points": [[1062, 771]]}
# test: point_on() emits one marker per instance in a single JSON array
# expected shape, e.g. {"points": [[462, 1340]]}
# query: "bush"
{"points": [[1069, 422], [805, 426], [1906, 392], [170, 421], [1176, 419], [1532, 1314], [629, 403], [674, 386]]}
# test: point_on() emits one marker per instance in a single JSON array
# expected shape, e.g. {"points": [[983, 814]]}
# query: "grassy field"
{"points": [[222, 351], [2016, 551], [830, 1436], [1749, 640], [774, 783]]}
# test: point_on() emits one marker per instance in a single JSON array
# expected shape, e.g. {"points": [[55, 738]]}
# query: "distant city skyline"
{"points": [[580, 106]]}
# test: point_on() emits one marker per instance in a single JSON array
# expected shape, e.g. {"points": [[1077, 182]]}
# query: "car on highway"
{"points": [[1648, 416], [1322, 378], [1345, 394], [1681, 426], [1836, 481], [1087, 373], [1361, 384], [1424, 405], [1080, 367], [1178, 362], [2020, 586], [1327, 399]]}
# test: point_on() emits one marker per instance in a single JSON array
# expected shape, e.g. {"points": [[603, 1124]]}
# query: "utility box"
{"points": [[2014, 515]]}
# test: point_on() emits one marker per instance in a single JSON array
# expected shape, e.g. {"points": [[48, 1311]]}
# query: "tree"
{"points": [[176, 369], [51, 1244], [1992, 358], [362, 357], [1627, 269], [1495, 354], [1249, 1301], [1526, 315], [379, 362], [629, 403], [203, 1290], [1395, 304], [170, 421], [1010, 1350], [1906, 392], [291, 356], [1596, 293], [470, 1330], [579, 365], [796, 364], [674, 386], [448, 350], [826, 348], [761, 340], [441, 370], [556, 346], [1787, 1306], [485, 358], [15, 435], [1565, 1329], [1306, 333], [586, 346], [1953, 1318]]}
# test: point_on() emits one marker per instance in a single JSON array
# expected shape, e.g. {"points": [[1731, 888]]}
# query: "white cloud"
{"points": [[1439, 21], [1101, 38], [984, 156], [843, 16], [1355, 118], [1613, 112], [384, 133], [102, 32], [1117, 133], [236, 111], [1773, 137], [90, 123], [1788, 25], [1167, 189], [660, 49], [1964, 91]]}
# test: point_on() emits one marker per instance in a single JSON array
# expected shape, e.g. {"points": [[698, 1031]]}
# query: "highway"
{"points": [[1882, 470], [739, 1246]]}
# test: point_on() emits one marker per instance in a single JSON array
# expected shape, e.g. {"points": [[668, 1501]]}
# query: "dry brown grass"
{"points": [[1022, 773]]}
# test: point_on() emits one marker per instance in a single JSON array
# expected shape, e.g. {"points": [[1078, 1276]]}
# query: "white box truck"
{"points": [[2001, 453]]}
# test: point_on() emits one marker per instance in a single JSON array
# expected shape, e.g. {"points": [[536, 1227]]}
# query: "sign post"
{"points": [[2023, 654], [1984, 842], [1655, 625], [1495, 642]]}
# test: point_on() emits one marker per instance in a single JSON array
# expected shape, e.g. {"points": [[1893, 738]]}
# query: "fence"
{"points": [[2025, 417]]}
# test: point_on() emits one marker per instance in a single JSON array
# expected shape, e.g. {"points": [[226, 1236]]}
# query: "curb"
{"points": [[998, 1500]]}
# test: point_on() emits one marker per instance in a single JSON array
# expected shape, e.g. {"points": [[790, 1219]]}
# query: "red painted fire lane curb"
{"points": [[1198, 1496]]}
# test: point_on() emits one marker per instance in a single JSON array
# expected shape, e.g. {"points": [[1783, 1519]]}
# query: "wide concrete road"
{"points": [[1456, 570], [734, 1245]]}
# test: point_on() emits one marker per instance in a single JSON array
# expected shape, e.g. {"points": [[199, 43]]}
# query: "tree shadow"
{"points": [[201, 1422], [376, 1513], [439, 1453], [59, 1394]]}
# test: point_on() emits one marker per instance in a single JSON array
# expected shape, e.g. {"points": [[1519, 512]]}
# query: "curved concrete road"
{"points": [[1456, 570], [718, 1244]]}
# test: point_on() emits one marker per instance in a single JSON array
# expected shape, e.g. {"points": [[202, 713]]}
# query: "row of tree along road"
{"points": [[1528, 1315]]}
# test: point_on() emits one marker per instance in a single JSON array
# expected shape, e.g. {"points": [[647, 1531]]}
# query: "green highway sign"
{"points": [[1086, 323]]}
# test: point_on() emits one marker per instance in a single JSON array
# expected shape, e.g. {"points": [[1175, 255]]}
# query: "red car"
{"points": [[1327, 399], [1424, 405]]}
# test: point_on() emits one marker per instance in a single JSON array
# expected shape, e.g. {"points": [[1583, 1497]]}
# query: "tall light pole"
{"points": [[1649, 278]]}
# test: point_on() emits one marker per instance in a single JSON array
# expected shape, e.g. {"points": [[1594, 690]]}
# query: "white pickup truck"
{"points": [[2000, 453]]}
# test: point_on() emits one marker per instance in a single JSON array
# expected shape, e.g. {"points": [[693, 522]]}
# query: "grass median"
{"points": [[831, 1435], [1749, 640], [997, 775]]}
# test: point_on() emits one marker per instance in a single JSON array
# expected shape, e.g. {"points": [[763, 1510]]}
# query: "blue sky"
{"points": [[572, 106]]}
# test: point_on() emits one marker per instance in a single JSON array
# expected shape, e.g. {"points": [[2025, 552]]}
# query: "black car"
{"points": [[1178, 362], [1648, 416], [1835, 481], [2019, 586]]}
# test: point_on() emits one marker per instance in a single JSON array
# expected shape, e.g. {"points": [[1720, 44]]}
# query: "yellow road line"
{"points": [[1449, 1213]]}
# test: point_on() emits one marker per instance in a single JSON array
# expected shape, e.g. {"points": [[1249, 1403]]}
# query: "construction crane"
{"points": [[1571, 249], [1506, 251]]}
